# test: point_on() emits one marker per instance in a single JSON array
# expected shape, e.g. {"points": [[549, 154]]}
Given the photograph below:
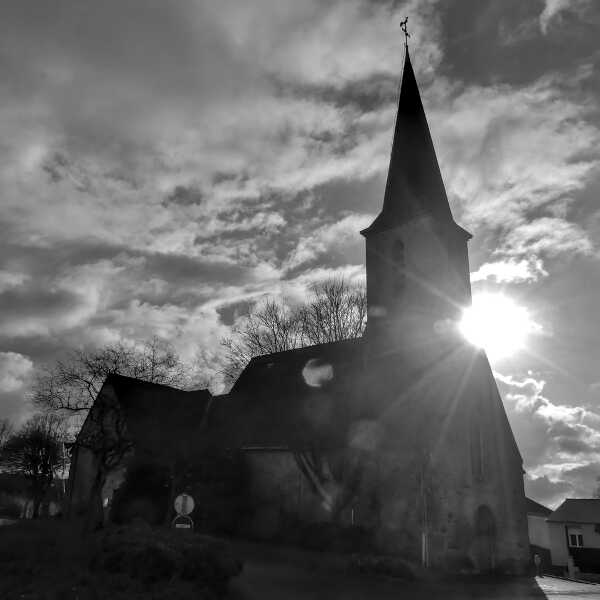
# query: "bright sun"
{"points": [[497, 324]]}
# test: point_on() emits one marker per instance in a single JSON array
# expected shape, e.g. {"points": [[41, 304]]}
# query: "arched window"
{"points": [[398, 262], [485, 539]]}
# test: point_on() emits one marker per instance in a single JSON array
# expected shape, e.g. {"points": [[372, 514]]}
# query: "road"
{"points": [[273, 578]]}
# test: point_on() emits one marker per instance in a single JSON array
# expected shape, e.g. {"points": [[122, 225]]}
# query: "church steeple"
{"points": [[417, 260], [414, 183]]}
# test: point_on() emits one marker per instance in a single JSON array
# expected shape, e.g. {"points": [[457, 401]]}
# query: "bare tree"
{"points": [[6, 431], [72, 385], [72, 389], [336, 310], [274, 327], [35, 452]]}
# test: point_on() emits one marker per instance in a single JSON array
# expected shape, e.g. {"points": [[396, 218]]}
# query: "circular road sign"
{"points": [[184, 504]]}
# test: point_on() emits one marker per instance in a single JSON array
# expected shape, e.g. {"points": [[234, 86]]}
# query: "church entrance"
{"points": [[485, 539]]}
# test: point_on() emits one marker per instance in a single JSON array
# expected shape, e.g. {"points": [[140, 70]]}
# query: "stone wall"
{"points": [[82, 473], [278, 489], [440, 507]]}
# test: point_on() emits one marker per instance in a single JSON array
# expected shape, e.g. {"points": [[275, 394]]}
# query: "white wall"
{"points": [[558, 544], [591, 539], [558, 540], [538, 531]]}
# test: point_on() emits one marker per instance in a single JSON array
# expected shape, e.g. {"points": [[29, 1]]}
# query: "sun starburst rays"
{"points": [[498, 324]]}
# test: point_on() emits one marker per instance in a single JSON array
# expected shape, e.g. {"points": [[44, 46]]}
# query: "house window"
{"points": [[575, 538]]}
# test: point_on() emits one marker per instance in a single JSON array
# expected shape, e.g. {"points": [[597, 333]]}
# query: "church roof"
{"points": [[323, 395], [414, 184], [157, 415], [292, 362], [286, 398]]}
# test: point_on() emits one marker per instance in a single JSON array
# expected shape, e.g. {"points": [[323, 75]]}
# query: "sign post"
{"points": [[184, 505]]}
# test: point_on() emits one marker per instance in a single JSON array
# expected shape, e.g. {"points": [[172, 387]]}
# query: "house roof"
{"points": [[577, 510], [535, 508]]}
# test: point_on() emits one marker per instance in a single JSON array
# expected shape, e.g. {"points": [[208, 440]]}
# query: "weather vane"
{"points": [[405, 31]]}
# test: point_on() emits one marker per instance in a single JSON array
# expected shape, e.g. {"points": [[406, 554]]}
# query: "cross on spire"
{"points": [[403, 25]]}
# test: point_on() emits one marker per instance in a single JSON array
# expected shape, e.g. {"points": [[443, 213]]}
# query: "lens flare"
{"points": [[497, 324]]}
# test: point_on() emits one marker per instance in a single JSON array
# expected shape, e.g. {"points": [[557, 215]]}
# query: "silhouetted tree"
{"points": [[35, 452], [6, 431], [336, 310], [274, 327], [72, 385]]}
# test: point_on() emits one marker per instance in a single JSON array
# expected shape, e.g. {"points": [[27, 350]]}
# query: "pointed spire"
{"points": [[414, 183]]}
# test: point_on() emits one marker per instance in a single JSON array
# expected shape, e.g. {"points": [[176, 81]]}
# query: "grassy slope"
{"points": [[51, 560]]}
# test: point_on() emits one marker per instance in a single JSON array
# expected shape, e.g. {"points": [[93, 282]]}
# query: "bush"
{"points": [[50, 559], [161, 555], [144, 494], [127, 509]]}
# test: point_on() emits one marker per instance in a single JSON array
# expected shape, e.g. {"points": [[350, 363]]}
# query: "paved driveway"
{"points": [[277, 578]]}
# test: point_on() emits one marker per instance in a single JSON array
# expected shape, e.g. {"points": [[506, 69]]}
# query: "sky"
{"points": [[165, 164]]}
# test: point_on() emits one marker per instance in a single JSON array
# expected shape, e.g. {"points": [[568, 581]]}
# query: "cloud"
{"points": [[503, 271], [550, 236], [550, 493], [10, 280], [328, 44], [560, 442], [16, 371], [330, 238], [554, 10], [579, 480], [514, 160]]}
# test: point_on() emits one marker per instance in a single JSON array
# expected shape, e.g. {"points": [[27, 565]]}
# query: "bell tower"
{"points": [[417, 259]]}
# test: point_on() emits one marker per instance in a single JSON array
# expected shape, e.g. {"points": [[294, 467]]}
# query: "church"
{"points": [[400, 433]]}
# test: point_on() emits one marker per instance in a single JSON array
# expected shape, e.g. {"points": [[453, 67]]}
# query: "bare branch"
{"points": [[335, 311], [72, 385], [6, 431]]}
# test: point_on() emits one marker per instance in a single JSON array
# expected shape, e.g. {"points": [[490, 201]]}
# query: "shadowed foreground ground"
{"points": [[269, 575], [48, 560]]}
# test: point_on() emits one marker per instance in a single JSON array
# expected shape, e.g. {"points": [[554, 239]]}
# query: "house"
{"points": [[539, 536], [574, 531], [536, 524], [400, 433]]}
